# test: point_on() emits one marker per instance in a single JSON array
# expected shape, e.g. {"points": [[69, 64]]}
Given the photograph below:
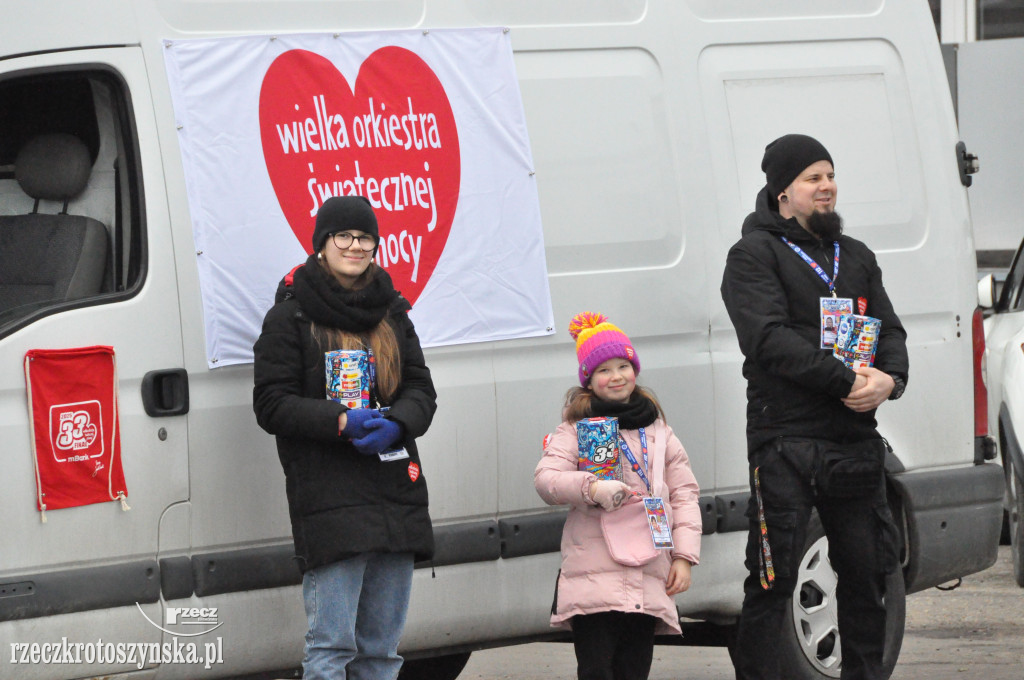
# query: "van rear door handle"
{"points": [[165, 392], [967, 162]]}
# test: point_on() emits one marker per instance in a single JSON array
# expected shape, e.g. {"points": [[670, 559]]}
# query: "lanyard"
{"points": [[632, 459], [817, 268], [371, 365]]}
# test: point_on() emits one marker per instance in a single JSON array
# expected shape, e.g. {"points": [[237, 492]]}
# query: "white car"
{"points": [[1004, 338]]}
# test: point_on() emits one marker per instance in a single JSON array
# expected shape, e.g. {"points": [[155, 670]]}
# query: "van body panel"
{"points": [[647, 120], [33, 28]]}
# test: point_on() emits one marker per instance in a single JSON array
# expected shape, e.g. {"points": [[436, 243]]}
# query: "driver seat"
{"points": [[51, 257]]}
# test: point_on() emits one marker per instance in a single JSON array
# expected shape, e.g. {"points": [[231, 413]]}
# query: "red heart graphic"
{"points": [[392, 139], [89, 433]]}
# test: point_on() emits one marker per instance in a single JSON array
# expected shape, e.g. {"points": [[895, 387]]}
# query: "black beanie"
{"points": [[339, 213], [788, 156]]}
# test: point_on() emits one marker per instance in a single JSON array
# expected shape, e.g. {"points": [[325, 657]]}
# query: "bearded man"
{"points": [[812, 443]]}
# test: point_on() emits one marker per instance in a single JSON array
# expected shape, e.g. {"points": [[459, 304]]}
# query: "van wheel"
{"points": [[445, 667], [1016, 514], [810, 646]]}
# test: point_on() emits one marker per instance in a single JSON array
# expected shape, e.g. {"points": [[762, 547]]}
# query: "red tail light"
{"points": [[980, 389]]}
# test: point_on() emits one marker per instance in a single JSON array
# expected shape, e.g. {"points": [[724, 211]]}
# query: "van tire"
{"points": [[799, 658], [445, 667]]}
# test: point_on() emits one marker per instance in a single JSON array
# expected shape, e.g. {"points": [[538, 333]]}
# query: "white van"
{"points": [[647, 120]]}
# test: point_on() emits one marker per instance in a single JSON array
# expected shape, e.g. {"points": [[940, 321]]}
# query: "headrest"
{"points": [[53, 167]]}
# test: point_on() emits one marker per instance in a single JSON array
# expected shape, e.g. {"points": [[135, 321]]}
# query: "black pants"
{"points": [[613, 645], [862, 550]]}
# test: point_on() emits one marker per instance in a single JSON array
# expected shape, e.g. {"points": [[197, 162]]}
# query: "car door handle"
{"points": [[165, 392]]}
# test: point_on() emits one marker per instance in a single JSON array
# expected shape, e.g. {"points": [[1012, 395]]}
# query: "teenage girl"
{"points": [[615, 610], [356, 493]]}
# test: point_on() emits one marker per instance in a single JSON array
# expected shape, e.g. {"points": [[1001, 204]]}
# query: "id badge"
{"points": [[831, 309], [394, 454], [661, 532]]}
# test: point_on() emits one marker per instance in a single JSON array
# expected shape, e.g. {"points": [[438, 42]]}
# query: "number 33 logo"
{"points": [[76, 431], [603, 454]]}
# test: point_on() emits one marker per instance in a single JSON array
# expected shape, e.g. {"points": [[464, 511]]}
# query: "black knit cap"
{"points": [[339, 213], [788, 156]]}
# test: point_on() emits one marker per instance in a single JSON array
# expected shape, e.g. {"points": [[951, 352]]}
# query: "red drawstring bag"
{"points": [[72, 401]]}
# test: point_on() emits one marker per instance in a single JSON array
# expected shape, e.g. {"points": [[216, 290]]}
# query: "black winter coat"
{"points": [[341, 502], [772, 296]]}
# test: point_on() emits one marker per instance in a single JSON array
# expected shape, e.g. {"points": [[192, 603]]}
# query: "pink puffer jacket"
{"points": [[591, 581]]}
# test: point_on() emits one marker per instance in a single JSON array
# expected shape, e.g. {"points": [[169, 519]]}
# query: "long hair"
{"points": [[381, 340], [578, 403]]}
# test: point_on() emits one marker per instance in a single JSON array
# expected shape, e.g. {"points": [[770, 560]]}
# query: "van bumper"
{"points": [[951, 522]]}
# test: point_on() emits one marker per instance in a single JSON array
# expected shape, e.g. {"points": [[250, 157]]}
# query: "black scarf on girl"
{"points": [[638, 412], [328, 303]]}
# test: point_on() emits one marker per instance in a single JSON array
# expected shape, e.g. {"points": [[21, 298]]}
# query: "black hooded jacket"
{"points": [[772, 295], [341, 502]]}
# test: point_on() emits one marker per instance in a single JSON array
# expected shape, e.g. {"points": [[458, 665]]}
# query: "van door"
{"points": [[872, 126], [87, 571]]}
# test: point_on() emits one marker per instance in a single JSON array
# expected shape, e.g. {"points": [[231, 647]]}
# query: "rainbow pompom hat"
{"points": [[597, 341]]}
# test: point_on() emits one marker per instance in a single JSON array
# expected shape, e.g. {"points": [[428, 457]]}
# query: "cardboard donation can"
{"points": [[598, 440], [857, 340], [348, 380]]}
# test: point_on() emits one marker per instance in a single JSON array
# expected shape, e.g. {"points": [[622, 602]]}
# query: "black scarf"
{"points": [[329, 303], [638, 412]]}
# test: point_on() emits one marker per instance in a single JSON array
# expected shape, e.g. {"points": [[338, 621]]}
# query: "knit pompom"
{"points": [[585, 320]]}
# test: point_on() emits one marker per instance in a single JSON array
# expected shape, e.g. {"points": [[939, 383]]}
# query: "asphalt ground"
{"points": [[973, 632]]}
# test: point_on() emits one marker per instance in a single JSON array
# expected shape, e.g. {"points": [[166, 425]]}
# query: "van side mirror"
{"points": [[987, 292]]}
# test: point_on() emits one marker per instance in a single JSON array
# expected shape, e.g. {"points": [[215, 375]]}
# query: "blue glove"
{"points": [[355, 426], [382, 433]]}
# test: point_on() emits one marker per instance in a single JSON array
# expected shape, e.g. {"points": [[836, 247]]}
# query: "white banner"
{"points": [[428, 126]]}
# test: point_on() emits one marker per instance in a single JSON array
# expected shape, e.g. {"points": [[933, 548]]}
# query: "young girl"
{"points": [[614, 609], [356, 495]]}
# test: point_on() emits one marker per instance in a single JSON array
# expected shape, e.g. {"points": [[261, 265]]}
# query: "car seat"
{"points": [[46, 257]]}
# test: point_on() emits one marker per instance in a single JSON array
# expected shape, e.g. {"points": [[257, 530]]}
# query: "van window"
{"points": [[70, 222], [994, 19], [1000, 19]]}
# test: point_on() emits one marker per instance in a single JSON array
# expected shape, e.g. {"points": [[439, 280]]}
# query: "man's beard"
{"points": [[828, 226]]}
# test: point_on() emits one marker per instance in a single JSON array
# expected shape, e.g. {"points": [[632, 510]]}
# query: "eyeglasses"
{"points": [[343, 240]]}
